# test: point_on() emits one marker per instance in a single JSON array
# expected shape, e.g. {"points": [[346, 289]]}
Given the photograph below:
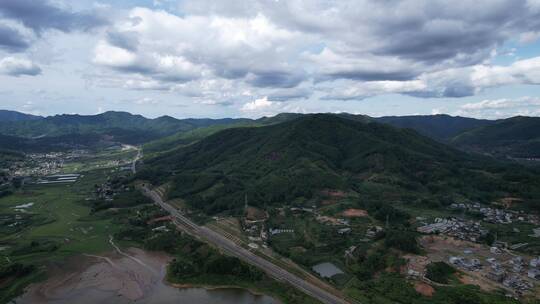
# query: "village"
{"points": [[43, 164], [496, 215], [498, 263]]}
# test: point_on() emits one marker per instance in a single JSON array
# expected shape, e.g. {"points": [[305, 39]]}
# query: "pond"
{"points": [[327, 270]]}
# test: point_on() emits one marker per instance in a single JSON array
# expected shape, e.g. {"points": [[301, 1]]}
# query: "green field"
{"points": [[64, 218]]}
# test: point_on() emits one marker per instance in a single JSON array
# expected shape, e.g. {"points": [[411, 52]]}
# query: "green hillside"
{"points": [[295, 160], [184, 138], [515, 137]]}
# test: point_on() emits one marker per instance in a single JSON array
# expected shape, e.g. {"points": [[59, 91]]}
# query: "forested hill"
{"points": [[515, 137], [294, 161]]}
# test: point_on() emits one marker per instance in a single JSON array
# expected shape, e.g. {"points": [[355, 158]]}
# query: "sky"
{"points": [[234, 58]]}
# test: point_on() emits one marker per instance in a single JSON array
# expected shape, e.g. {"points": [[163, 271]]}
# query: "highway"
{"points": [[234, 249]]}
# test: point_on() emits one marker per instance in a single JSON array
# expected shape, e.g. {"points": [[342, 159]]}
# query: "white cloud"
{"points": [[529, 37], [112, 56], [425, 51], [18, 67], [145, 101], [360, 90], [498, 108], [257, 105], [490, 104]]}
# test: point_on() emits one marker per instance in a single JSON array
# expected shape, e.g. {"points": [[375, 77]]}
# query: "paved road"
{"points": [[134, 162], [232, 248]]}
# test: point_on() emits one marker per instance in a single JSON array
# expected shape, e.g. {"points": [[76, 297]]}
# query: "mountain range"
{"points": [[517, 137]]}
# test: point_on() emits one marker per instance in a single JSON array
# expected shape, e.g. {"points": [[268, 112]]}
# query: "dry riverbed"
{"points": [[129, 276]]}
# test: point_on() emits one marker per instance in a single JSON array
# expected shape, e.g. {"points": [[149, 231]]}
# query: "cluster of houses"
{"points": [[511, 273], [374, 231], [472, 264], [460, 229], [38, 164], [496, 215], [105, 192]]}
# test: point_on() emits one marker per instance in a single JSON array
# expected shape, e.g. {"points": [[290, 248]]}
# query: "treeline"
{"points": [[14, 270], [122, 200], [195, 259], [9, 275]]}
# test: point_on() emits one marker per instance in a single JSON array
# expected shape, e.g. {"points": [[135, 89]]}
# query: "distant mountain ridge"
{"points": [[126, 127], [6, 115], [441, 127]]}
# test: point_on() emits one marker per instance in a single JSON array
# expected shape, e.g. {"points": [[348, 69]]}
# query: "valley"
{"points": [[270, 152]]}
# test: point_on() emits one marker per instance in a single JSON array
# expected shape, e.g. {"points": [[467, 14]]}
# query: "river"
{"points": [[137, 277]]}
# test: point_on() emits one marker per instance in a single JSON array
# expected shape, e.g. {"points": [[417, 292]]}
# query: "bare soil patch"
{"points": [[424, 289], [355, 213]]}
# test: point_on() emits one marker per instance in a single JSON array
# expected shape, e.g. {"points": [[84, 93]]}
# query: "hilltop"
{"points": [[6, 115], [294, 161]]}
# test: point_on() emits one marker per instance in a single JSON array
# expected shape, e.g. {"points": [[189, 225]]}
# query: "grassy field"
{"points": [[61, 209]]}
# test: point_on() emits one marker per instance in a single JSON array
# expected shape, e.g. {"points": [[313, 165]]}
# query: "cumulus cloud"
{"points": [[468, 81], [264, 106], [257, 105], [23, 22], [504, 107], [177, 49], [290, 94], [12, 40], [360, 90], [44, 15], [344, 49], [490, 104], [258, 55], [18, 67]]}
